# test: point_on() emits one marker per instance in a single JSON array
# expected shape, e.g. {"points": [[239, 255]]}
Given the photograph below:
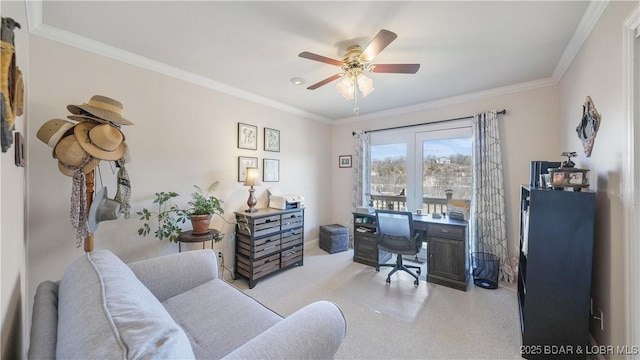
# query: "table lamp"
{"points": [[253, 178]]}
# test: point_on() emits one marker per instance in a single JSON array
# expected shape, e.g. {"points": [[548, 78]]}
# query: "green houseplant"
{"points": [[169, 216]]}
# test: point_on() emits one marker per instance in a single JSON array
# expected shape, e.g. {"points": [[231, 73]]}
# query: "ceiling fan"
{"points": [[356, 61]]}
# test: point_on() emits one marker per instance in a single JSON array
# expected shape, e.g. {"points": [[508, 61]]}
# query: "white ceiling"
{"points": [[250, 49]]}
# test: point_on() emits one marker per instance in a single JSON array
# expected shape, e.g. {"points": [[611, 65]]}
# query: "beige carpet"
{"points": [[400, 300]]}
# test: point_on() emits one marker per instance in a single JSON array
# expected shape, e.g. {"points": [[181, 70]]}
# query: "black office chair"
{"points": [[396, 235]]}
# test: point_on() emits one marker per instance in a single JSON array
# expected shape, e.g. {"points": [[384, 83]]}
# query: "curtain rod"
{"points": [[503, 112]]}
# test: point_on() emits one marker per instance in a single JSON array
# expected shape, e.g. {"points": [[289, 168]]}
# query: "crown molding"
{"points": [[586, 25], [505, 90], [36, 27]]}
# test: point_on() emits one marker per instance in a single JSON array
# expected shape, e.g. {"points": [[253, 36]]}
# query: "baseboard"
{"points": [[313, 243]]}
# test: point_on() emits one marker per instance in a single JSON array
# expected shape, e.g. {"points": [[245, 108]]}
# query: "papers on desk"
{"points": [[363, 230], [366, 210]]}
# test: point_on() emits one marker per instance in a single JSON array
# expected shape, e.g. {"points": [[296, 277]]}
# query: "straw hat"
{"points": [[93, 119], [101, 107], [102, 209], [53, 130], [70, 153], [103, 141]]}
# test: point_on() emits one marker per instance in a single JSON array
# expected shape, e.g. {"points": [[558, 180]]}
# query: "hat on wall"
{"points": [[101, 107], [102, 141], [71, 156], [53, 130], [102, 209], [90, 118]]}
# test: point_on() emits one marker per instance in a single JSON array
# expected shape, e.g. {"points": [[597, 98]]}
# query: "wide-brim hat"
{"points": [[52, 131], [81, 118], [102, 141], [102, 209], [101, 107], [71, 155]]}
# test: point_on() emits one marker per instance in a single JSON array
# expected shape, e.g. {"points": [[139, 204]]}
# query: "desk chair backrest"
{"points": [[395, 232]]}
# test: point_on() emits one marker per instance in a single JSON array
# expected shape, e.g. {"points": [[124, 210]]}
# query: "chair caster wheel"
{"points": [[388, 280], [377, 269], [416, 282]]}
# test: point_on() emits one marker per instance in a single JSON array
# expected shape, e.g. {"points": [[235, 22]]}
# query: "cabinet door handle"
{"points": [[444, 230]]}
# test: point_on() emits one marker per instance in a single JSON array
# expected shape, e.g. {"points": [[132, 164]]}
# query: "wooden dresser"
{"points": [[268, 241]]}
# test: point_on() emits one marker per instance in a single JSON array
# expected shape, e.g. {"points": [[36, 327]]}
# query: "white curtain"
{"points": [[360, 184], [488, 231]]}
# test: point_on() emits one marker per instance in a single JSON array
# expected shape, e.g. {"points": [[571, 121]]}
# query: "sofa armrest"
{"points": [[171, 275], [313, 332], [44, 322]]}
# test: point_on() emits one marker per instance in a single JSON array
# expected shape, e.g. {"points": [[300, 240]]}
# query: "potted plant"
{"points": [[169, 216]]}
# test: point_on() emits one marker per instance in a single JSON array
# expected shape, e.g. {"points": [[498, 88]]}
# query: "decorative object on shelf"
{"points": [[567, 175], [589, 125], [344, 161], [271, 170], [253, 179], [244, 163], [247, 136], [271, 140], [169, 216]]}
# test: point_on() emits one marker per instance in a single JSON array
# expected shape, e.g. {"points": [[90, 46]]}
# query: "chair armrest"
{"points": [[171, 275], [313, 332], [44, 322]]}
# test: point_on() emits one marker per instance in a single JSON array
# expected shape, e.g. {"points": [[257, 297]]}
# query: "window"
{"points": [[421, 167]]}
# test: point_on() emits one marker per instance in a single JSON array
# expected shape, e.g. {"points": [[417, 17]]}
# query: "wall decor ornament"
{"points": [[243, 163], [271, 140], [271, 170], [247, 136], [588, 126]]}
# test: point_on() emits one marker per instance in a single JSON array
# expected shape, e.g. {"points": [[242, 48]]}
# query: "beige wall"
{"points": [[528, 132], [184, 135], [12, 211], [597, 72]]}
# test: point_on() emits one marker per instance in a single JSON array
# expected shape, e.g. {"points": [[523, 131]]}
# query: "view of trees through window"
{"points": [[446, 169]]}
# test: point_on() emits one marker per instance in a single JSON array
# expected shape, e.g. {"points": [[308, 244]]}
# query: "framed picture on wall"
{"points": [[271, 140], [247, 136], [243, 163], [271, 170], [344, 161]]}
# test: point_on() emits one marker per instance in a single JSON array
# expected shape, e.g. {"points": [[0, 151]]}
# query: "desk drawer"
{"points": [[291, 256], [266, 225], [291, 237], [448, 231], [292, 220]]}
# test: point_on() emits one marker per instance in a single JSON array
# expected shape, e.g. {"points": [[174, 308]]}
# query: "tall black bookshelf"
{"points": [[554, 273]]}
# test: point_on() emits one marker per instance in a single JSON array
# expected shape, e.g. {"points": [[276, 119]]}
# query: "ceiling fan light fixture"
{"points": [[346, 87], [365, 85]]}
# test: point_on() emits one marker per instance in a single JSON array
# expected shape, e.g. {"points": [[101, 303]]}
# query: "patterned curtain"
{"points": [[360, 184], [488, 231]]}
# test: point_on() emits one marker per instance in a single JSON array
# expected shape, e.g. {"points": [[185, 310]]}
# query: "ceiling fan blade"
{"points": [[395, 68], [316, 57], [379, 42], [324, 82]]}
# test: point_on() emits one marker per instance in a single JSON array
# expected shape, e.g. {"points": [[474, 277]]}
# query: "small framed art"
{"points": [[19, 148], [271, 170], [247, 136], [271, 140], [243, 163], [344, 161]]}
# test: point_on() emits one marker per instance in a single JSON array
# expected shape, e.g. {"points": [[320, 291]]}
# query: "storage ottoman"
{"points": [[334, 238]]}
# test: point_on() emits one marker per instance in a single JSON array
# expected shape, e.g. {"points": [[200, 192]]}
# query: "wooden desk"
{"points": [[447, 247], [190, 237]]}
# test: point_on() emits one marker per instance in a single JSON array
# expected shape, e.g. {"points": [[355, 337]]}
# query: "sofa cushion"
{"points": [[105, 312], [219, 318]]}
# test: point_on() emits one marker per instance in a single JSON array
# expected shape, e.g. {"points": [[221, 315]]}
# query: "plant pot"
{"points": [[200, 223]]}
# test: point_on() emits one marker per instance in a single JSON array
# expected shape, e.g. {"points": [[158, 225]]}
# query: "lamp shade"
{"points": [[365, 85], [345, 87], [253, 177]]}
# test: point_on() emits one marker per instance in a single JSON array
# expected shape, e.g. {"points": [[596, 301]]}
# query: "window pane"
{"points": [[389, 175], [446, 172]]}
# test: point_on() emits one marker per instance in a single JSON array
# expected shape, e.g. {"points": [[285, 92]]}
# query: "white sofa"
{"points": [[170, 307]]}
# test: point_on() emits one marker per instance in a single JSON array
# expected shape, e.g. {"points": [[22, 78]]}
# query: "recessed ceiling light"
{"points": [[297, 81]]}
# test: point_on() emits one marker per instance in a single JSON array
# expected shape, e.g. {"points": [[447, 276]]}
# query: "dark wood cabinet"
{"points": [[365, 246], [267, 241], [554, 272], [448, 249]]}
